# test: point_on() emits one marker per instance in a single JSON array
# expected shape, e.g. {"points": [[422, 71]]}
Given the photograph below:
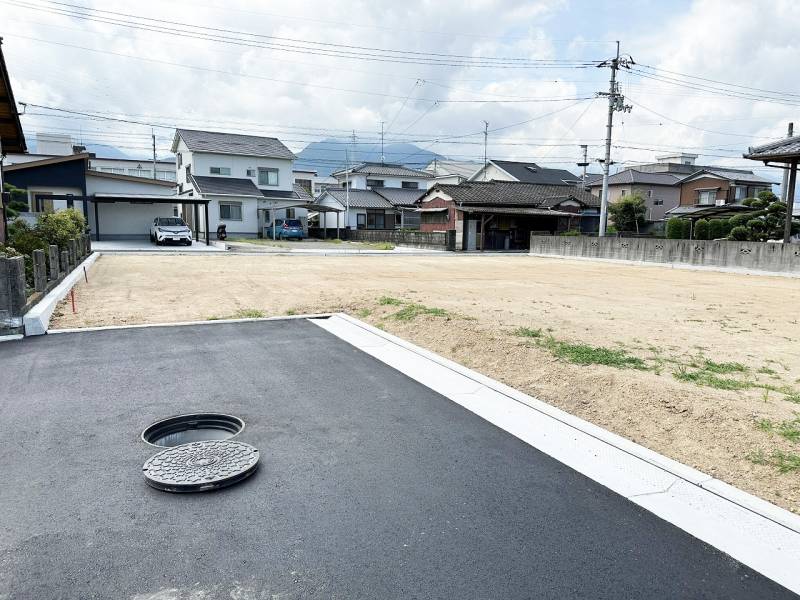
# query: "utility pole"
{"points": [[585, 163], [154, 153], [485, 144], [383, 157], [616, 103]]}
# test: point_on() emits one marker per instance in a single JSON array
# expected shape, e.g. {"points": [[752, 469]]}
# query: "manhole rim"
{"points": [[163, 422]]}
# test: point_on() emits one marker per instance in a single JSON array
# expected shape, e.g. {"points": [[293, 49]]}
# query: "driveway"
{"points": [[146, 245], [371, 485]]}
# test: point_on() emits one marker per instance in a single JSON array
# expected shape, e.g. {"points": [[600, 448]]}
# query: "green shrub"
{"points": [[716, 229], [674, 228], [686, 226], [701, 229], [8, 252], [60, 227], [571, 233], [740, 233], [25, 240], [738, 220]]}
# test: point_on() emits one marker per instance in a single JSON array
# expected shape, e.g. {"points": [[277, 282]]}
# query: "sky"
{"points": [[710, 76]]}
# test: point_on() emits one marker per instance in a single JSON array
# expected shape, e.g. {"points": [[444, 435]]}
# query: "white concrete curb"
{"points": [[11, 338], [682, 266], [752, 531], [37, 319]]}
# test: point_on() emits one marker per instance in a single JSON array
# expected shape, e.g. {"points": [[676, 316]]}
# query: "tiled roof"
{"points": [[787, 147], [387, 170], [228, 186], [462, 168], [528, 172], [630, 176], [232, 143], [730, 174], [515, 193], [359, 198], [400, 196], [301, 192]]}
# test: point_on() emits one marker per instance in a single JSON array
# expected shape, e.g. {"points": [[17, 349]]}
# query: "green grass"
{"points": [[381, 246], [758, 457], [291, 312], [363, 312], [528, 332], [584, 354], [794, 397], [412, 311], [766, 371], [786, 429], [248, 313], [389, 301], [784, 462], [724, 368], [707, 379]]}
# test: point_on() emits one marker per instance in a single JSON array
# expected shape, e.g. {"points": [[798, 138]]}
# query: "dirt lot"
{"points": [[703, 367]]}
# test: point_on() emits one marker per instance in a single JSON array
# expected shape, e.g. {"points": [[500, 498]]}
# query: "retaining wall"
{"points": [[755, 256]]}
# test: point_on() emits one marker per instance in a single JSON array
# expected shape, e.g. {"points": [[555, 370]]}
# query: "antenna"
{"points": [[485, 143], [383, 157], [585, 163]]}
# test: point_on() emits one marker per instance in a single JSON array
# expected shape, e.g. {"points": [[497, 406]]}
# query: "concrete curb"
{"points": [[37, 319], [749, 529], [682, 266]]}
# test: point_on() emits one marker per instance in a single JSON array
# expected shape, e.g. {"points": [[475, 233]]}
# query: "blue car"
{"points": [[285, 229]]}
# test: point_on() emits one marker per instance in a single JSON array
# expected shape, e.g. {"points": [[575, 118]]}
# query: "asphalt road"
{"points": [[370, 485]]}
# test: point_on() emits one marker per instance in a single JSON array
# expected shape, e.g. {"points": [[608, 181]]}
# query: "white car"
{"points": [[170, 229]]}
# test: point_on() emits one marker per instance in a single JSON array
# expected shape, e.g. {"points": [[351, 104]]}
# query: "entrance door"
{"points": [[472, 234]]}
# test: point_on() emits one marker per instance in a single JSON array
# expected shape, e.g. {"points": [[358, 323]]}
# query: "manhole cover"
{"points": [[201, 466], [195, 427]]}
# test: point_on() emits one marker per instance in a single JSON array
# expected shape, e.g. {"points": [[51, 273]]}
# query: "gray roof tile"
{"points": [[388, 170], [784, 148], [400, 196], [234, 143], [514, 193], [528, 172], [359, 198], [630, 176], [229, 186]]}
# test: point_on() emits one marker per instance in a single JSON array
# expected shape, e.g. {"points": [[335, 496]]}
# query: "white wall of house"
{"points": [[105, 185], [492, 172], [165, 171], [358, 181], [126, 220], [239, 165], [33, 191], [255, 215]]}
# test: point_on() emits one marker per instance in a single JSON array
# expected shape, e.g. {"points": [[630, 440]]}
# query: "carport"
{"points": [[138, 204]]}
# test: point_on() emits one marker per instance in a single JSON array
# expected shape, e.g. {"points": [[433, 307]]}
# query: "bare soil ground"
{"points": [[701, 366]]}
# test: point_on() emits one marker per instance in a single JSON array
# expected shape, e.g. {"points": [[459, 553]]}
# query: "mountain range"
{"points": [[332, 154]]}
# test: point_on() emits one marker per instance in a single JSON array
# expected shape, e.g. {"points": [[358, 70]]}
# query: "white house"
{"points": [[369, 176], [378, 208], [452, 171], [165, 169], [247, 181]]}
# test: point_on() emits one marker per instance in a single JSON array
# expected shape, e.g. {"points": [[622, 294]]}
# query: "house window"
{"points": [[410, 185], [290, 213], [361, 221], [219, 170], [180, 160], [373, 183], [435, 217], [707, 197], [622, 193], [398, 219], [188, 170], [658, 202], [304, 183], [230, 211], [376, 219], [140, 172], [267, 176], [649, 193], [251, 172]]}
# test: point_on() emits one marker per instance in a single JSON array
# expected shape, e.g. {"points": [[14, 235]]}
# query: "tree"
{"points": [[764, 224], [628, 213], [716, 229], [686, 224], [701, 229]]}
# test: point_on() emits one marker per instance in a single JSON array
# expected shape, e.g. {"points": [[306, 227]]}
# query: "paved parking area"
{"points": [[148, 246], [371, 485]]}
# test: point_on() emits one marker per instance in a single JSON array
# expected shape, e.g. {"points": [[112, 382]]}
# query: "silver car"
{"points": [[170, 229]]}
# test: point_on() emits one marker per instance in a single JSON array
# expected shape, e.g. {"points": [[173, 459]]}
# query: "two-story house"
{"points": [[375, 196], [247, 180]]}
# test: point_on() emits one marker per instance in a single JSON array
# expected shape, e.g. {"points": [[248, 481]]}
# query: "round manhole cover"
{"points": [[201, 466]]}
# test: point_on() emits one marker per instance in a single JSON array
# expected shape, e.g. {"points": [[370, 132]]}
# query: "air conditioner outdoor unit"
{"points": [[720, 202]]}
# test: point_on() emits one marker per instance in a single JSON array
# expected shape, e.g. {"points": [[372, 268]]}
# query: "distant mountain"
{"points": [[329, 155], [100, 150]]}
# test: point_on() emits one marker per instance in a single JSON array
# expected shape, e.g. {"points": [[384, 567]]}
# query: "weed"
{"points": [[364, 313], [794, 397], [291, 312], [412, 311], [383, 246], [248, 313], [335, 241], [786, 429], [213, 318], [583, 354], [528, 332], [786, 462], [758, 457], [766, 371], [389, 301], [704, 378], [724, 367]]}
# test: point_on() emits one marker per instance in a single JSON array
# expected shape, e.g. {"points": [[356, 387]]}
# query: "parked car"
{"points": [[285, 229], [170, 229]]}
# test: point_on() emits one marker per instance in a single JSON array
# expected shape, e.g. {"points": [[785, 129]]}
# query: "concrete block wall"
{"points": [[755, 256], [416, 239]]}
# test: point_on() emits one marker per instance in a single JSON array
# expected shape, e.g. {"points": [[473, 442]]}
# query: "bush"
{"points": [[628, 213], [25, 240], [740, 233], [716, 229], [674, 229], [738, 220], [60, 227], [686, 229], [701, 229], [571, 233], [8, 252]]}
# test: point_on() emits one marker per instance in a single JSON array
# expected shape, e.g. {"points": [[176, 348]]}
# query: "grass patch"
{"points": [[389, 301], [528, 332], [583, 354], [412, 311], [248, 313], [786, 462], [291, 312], [382, 246], [767, 371], [786, 429], [795, 397], [724, 368], [363, 312], [708, 379]]}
